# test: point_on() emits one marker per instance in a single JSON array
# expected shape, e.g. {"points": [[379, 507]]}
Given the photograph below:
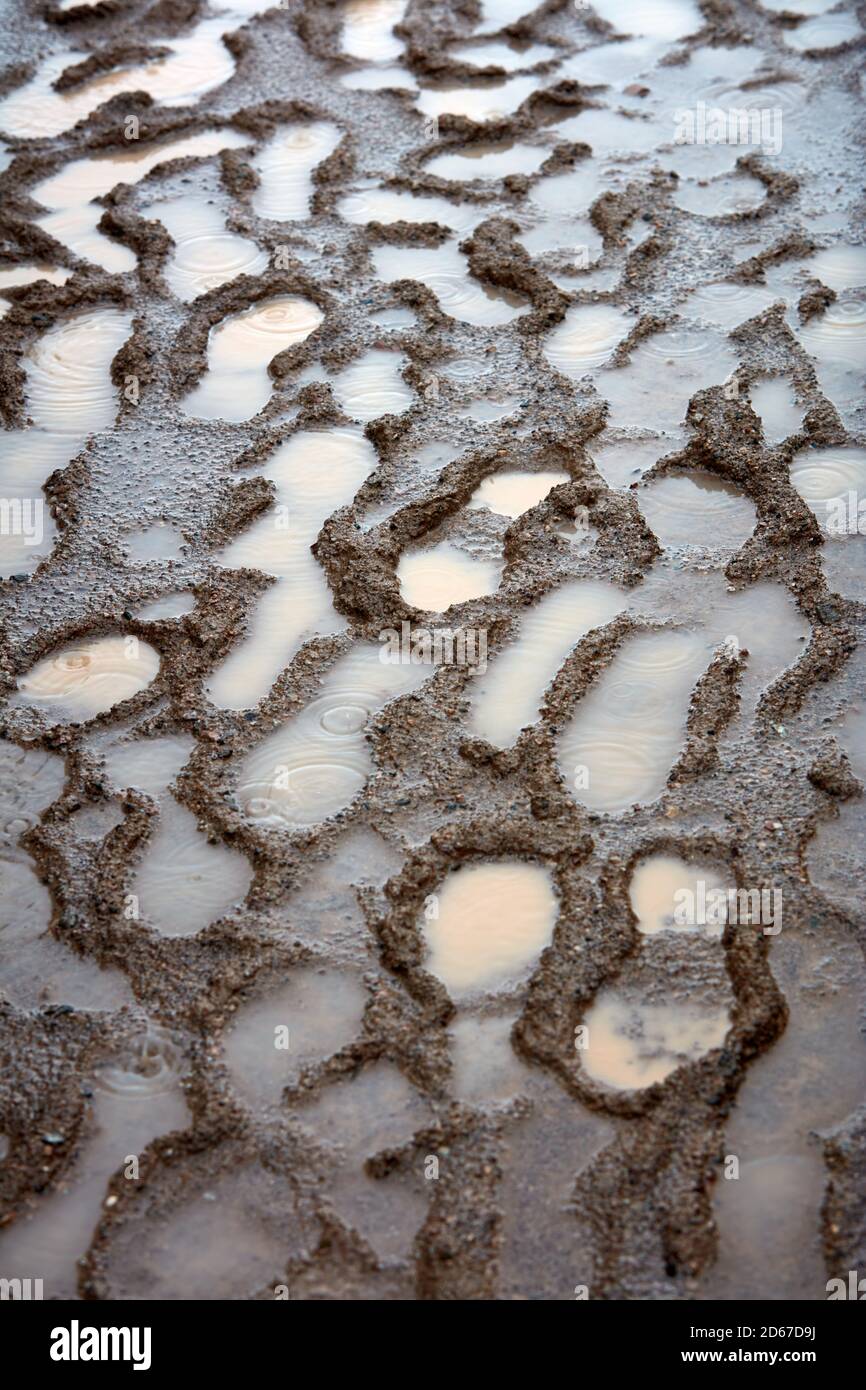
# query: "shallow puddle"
{"points": [[775, 404], [136, 1100], [304, 1021], [373, 385], [184, 881], [488, 925], [697, 509], [368, 29], [621, 742], [659, 19], [489, 102], [237, 385], [156, 542], [841, 267], [166, 608], [195, 65], [73, 216], [622, 461], [300, 605], [832, 481], [377, 204], [586, 338], [632, 1045], [69, 390], [726, 304], [504, 55], [438, 576], [507, 697], [89, 678], [205, 254], [148, 764], [512, 493], [285, 169], [665, 893], [445, 271], [375, 1110], [316, 764], [825, 31], [653, 390], [721, 197], [488, 162]]}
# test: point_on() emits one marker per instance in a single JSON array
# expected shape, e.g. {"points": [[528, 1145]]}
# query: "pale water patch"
{"points": [[433, 578], [195, 65], [654, 887], [445, 271], [157, 542], [68, 389], [368, 29], [305, 1021], [507, 56], [373, 385], [137, 1098], [825, 476], [285, 169], [148, 764], [611, 133], [68, 194], [89, 678], [377, 204], [633, 1045], [586, 338], [653, 390], [658, 19], [513, 492], [774, 402], [577, 190], [376, 1109], [492, 923], [314, 473], [841, 267], [507, 697], [576, 236], [229, 1242], [168, 607], [237, 385], [205, 254], [836, 340], [721, 197], [488, 162], [726, 304], [697, 509], [620, 744], [316, 764], [825, 31], [622, 461], [184, 881], [488, 102], [813, 1076]]}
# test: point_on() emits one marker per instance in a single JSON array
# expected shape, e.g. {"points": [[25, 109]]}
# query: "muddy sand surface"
{"points": [[433, 491]]}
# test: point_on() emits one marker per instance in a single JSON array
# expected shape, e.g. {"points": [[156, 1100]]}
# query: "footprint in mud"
{"points": [[73, 215], [315, 765], [193, 65], [136, 1098], [68, 394], [433, 577], [285, 169], [35, 969], [237, 384], [445, 271], [184, 881], [373, 385], [354, 1120], [484, 929], [299, 606], [82, 681], [305, 1021], [206, 254], [671, 1004]]}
